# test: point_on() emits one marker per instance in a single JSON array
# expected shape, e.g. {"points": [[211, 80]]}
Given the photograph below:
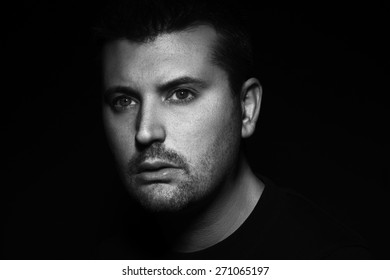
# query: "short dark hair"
{"points": [[144, 20]]}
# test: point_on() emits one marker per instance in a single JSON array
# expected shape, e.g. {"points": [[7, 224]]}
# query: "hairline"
{"points": [[213, 47]]}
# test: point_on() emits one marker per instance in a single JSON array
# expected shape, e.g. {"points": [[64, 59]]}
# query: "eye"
{"points": [[122, 102], [181, 95]]}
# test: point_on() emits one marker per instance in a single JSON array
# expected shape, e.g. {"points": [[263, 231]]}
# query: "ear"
{"points": [[251, 93]]}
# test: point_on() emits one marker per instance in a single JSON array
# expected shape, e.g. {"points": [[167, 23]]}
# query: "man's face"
{"points": [[170, 118]]}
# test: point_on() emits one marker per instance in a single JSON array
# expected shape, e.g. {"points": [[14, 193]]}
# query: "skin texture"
{"points": [[166, 101], [203, 132]]}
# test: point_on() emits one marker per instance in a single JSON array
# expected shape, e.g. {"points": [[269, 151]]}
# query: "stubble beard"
{"points": [[182, 194], [200, 182], [168, 198]]}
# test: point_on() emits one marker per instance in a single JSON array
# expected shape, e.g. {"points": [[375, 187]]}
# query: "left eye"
{"points": [[181, 95], [122, 103]]}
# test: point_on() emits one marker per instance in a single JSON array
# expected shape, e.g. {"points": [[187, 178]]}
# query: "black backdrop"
{"points": [[323, 125]]}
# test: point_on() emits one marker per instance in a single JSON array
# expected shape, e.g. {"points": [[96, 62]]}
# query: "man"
{"points": [[179, 97]]}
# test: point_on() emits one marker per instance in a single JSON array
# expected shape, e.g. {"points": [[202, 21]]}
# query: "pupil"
{"points": [[182, 94], [124, 101]]}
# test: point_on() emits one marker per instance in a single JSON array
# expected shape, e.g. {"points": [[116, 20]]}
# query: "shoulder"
{"points": [[296, 228]]}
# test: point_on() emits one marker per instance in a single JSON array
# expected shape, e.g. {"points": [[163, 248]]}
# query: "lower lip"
{"points": [[160, 175]]}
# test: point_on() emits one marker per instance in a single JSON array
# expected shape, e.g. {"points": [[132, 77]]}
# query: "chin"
{"points": [[162, 198]]}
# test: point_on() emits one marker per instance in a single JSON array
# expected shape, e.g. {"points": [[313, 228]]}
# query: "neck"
{"points": [[223, 216]]}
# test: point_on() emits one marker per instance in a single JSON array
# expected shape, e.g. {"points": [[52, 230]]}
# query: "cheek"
{"points": [[119, 136], [215, 127]]}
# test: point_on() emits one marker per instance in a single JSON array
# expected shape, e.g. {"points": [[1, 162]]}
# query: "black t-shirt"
{"points": [[283, 225]]}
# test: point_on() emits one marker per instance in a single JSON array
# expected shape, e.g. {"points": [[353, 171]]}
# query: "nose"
{"points": [[150, 125]]}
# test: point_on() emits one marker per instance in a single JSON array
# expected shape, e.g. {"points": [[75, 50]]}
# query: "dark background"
{"points": [[323, 127]]}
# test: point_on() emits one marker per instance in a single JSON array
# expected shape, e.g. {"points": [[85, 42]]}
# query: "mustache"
{"points": [[160, 152]]}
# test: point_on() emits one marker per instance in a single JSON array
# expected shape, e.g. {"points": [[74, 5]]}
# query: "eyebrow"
{"points": [[181, 81], [119, 89], [161, 88]]}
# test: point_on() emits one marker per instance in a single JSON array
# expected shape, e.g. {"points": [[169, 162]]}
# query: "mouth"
{"points": [[154, 166], [157, 171]]}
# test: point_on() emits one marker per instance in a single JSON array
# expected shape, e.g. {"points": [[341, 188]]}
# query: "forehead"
{"points": [[186, 52]]}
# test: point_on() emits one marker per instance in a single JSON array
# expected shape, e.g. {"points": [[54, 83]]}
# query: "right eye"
{"points": [[122, 102]]}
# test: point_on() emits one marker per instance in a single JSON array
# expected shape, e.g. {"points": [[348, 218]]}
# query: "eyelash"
{"points": [[114, 102], [181, 101]]}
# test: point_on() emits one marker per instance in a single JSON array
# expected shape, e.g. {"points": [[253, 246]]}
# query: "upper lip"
{"points": [[155, 165]]}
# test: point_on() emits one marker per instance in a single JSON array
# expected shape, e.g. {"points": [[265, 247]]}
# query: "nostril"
{"points": [[150, 124], [146, 135]]}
